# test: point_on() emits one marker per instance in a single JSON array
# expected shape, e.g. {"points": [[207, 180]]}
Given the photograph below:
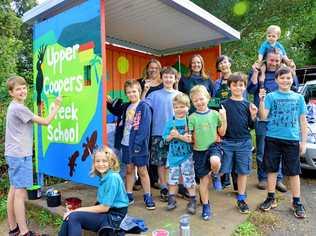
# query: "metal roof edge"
{"points": [[191, 9]]}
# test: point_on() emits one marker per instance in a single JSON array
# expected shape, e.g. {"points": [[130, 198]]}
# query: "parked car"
{"points": [[307, 77]]}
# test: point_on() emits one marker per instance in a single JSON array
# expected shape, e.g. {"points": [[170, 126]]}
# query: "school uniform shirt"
{"points": [[285, 109], [239, 120], [129, 117], [111, 191], [204, 127], [179, 151]]}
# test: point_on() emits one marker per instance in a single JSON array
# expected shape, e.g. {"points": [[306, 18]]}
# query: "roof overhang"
{"points": [[159, 27]]}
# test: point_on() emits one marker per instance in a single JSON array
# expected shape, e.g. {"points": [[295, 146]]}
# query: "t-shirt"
{"points": [[161, 104], [130, 113], [179, 151], [265, 46], [19, 131], [239, 119], [204, 127], [285, 109], [111, 191]]}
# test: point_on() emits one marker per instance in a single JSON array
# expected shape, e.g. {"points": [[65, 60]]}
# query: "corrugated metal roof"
{"points": [[155, 26]]}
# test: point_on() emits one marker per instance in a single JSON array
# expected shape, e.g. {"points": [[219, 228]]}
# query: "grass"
{"points": [[247, 229]]}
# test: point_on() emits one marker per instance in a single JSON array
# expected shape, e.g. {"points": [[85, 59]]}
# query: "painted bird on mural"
{"points": [[72, 162], [89, 146], [40, 76]]}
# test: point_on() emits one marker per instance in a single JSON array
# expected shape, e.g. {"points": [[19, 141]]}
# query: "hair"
{"points": [[202, 72], [145, 71], [199, 89], [169, 70], [282, 71], [275, 29], [131, 83], [15, 80], [274, 51], [111, 158], [182, 99], [222, 58], [235, 77]]}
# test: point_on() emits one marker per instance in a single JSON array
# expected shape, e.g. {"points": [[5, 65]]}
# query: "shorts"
{"points": [[158, 151], [201, 159], [237, 153], [287, 151], [20, 171], [186, 170], [136, 160]]}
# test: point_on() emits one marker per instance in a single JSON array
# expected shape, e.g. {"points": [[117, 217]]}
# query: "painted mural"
{"points": [[68, 62]]}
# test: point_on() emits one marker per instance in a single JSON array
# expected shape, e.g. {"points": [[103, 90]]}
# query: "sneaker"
{"points": [[299, 211], [15, 231], [164, 195], [191, 207], [243, 207], [281, 187], [206, 212], [183, 192], [262, 185], [217, 184], [131, 200], [172, 203], [31, 233], [268, 204], [149, 202]]}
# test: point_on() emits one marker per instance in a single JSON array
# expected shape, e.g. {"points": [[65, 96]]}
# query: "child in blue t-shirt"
{"points": [[236, 142], [285, 139], [161, 104], [111, 198], [179, 158]]}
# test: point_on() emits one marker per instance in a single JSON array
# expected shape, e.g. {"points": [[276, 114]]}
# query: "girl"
{"points": [[112, 201]]}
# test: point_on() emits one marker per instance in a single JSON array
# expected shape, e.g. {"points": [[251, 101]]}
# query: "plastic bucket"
{"points": [[34, 192], [72, 203], [54, 200]]}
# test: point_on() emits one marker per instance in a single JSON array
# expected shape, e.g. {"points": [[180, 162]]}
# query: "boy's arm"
{"points": [[46, 121], [222, 115], [263, 112], [115, 106], [303, 124]]}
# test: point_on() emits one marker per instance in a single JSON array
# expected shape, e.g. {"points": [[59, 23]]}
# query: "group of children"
{"points": [[199, 145]]}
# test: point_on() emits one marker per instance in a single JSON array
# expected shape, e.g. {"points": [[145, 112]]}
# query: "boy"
{"points": [[237, 140], [273, 34], [18, 151], [205, 124], [286, 137], [161, 103], [132, 134], [180, 154]]}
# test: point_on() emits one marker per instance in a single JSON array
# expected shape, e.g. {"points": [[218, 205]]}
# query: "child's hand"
{"points": [[57, 101], [256, 66], [253, 110], [187, 138], [147, 84], [108, 99], [66, 214], [174, 133], [222, 112], [262, 94], [302, 148]]}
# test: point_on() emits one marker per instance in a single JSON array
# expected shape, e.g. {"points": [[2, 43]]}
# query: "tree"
{"points": [[296, 18]]}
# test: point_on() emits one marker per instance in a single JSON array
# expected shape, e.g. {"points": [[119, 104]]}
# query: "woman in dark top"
{"points": [[151, 80], [197, 76]]}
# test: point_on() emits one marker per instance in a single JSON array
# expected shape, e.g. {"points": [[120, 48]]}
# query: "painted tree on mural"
{"points": [[296, 18]]}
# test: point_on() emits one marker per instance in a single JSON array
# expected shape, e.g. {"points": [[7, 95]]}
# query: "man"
{"points": [[255, 82]]}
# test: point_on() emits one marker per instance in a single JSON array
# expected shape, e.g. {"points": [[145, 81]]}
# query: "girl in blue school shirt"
{"points": [[112, 200]]}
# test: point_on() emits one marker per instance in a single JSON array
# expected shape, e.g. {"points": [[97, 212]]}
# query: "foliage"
{"points": [[296, 18], [43, 217], [3, 208], [246, 229]]}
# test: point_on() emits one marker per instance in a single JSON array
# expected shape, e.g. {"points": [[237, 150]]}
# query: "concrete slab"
{"points": [[225, 214]]}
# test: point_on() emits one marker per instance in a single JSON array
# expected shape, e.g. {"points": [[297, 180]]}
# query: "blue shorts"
{"points": [[20, 171], [201, 159], [186, 170], [136, 160], [158, 151], [287, 151], [237, 153]]}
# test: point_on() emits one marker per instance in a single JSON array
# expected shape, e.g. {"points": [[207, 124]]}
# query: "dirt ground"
{"points": [[225, 215]]}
